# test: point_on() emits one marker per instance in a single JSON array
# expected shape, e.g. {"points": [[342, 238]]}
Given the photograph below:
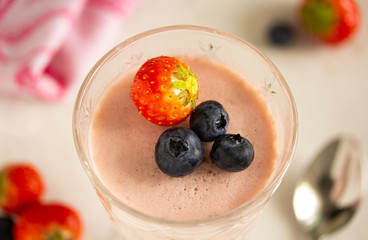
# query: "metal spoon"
{"points": [[328, 194]]}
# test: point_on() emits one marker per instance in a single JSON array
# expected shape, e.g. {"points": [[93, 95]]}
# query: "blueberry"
{"points": [[281, 34], [6, 228], [232, 153], [209, 120], [178, 152]]}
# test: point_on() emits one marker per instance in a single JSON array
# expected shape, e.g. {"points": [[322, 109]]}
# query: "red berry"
{"points": [[48, 221], [20, 187], [164, 90], [331, 21]]}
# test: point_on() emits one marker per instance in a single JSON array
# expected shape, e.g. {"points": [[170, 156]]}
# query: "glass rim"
{"points": [[270, 186]]}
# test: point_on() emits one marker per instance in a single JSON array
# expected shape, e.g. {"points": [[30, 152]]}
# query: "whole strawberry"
{"points": [[331, 21], [20, 187], [48, 221], [164, 90]]}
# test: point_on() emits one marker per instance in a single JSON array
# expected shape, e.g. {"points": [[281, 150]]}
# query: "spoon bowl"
{"points": [[328, 194]]}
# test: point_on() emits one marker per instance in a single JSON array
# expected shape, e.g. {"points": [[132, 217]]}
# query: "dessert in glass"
{"points": [[116, 145]]}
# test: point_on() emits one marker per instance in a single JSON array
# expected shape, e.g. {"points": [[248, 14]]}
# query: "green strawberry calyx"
{"points": [[56, 234], [2, 185], [319, 16], [186, 81]]}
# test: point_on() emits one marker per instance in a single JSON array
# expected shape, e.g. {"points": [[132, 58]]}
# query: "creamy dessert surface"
{"points": [[123, 142]]}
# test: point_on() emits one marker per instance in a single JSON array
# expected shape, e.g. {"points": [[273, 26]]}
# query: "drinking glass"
{"points": [[223, 48]]}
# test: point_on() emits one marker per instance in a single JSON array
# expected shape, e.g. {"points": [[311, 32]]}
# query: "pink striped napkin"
{"points": [[48, 46]]}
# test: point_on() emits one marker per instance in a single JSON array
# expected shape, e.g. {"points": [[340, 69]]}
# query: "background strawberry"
{"points": [[48, 221], [20, 187], [331, 21], [164, 90]]}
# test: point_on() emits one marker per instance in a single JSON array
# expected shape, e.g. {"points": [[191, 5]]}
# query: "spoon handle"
{"points": [[318, 237]]}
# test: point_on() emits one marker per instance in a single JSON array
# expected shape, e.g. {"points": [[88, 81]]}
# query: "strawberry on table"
{"points": [[164, 90], [20, 187], [331, 21], [48, 221]]}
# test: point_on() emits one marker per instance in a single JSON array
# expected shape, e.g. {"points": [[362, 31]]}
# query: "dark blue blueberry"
{"points": [[209, 120], [6, 228], [178, 152], [281, 34], [232, 153]]}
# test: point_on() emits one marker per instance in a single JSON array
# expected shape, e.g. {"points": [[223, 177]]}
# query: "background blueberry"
{"points": [[232, 153], [178, 152], [209, 120], [281, 33], [6, 228]]}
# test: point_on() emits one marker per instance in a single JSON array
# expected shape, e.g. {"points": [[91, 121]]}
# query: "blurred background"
{"points": [[329, 83]]}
